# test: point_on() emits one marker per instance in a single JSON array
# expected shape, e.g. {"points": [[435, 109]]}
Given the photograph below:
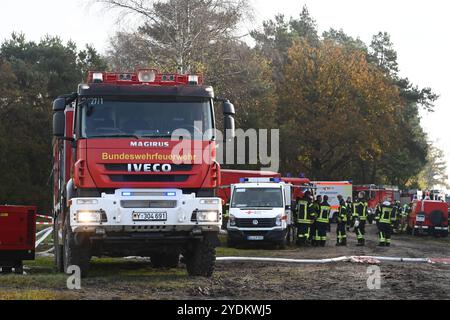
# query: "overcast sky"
{"points": [[419, 31]]}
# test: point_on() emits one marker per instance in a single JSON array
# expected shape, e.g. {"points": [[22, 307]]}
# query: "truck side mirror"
{"points": [[59, 120], [59, 104], [229, 123]]}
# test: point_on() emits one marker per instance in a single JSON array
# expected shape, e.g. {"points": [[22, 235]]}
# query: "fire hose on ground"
{"points": [[44, 234]]}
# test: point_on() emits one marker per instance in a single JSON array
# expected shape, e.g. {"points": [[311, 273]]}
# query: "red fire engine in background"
{"points": [[122, 186], [17, 237], [377, 194]]}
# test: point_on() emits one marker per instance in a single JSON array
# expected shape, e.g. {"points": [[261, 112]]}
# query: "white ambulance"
{"points": [[260, 211]]}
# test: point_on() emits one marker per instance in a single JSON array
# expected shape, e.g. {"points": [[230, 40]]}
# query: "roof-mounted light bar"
{"points": [[144, 76]]}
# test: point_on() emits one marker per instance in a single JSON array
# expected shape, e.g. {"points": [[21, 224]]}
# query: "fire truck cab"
{"points": [[135, 170]]}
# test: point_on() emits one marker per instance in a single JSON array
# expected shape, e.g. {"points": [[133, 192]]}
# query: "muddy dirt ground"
{"points": [[135, 279]]}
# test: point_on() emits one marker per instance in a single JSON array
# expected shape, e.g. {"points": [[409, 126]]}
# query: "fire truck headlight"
{"points": [[89, 216], [87, 201], [207, 216], [209, 201]]}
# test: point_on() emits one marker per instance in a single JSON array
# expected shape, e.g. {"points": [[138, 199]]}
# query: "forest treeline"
{"points": [[343, 110]]}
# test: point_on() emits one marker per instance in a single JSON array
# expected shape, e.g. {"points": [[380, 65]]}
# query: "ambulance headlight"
{"points": [[278, 220], [208, 216], [232, 220], [86, 216]]}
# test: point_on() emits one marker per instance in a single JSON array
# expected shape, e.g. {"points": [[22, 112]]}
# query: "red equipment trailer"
{"points": [[17, 237], [428, 216]]}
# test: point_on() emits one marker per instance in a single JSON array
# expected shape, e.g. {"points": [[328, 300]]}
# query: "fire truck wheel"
{"points": [[59, 263], [18, 268], [408, 230], [6, 270], [200, 259], [166, 259], [73, 254]]}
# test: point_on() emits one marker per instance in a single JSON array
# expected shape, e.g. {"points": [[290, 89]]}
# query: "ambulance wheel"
{"points": [[75, 254], [282, 243], [200, 259]]}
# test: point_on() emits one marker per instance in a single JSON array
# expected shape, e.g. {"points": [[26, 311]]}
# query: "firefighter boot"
{"points": [[322, 243], [360, 243]]}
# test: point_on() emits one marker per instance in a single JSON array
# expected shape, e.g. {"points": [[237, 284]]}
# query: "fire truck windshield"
{"points": [[257, 198], [101, 118]]}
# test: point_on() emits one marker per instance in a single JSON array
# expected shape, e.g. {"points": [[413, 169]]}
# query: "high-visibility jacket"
{"points": [[306, 212], [385, 215], [396, 212], [342, 213], [377, 212], [405, 210], [324, 213], [360, 210]]}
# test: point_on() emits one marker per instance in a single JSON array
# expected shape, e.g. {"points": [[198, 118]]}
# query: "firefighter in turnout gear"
{"points": [[322, 222], [341, 231], [396, 215], [359, 217], [385, 220], [317, 205], [404, 218], [349, 213], [306, 214]]}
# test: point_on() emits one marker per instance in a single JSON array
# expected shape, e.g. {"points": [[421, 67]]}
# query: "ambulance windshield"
{"points": [[257, 198]]}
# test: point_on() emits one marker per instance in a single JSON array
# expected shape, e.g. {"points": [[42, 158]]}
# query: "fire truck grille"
{"points": [[148, 178], [124, 167], [148, 203], [251, 223]]}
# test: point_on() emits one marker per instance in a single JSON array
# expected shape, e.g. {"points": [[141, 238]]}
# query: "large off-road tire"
{"points": [[18, 267], [6, 270], [75, 254], [165, 259], [200, 259], [58, 257]]}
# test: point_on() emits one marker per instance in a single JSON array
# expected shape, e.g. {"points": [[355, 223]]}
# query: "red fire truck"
{"points": [[375, 195], [17, 237], [135, 170], [428, 216]]}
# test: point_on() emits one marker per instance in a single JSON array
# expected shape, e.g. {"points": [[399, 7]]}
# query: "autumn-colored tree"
{"points": [[335, 112]]}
